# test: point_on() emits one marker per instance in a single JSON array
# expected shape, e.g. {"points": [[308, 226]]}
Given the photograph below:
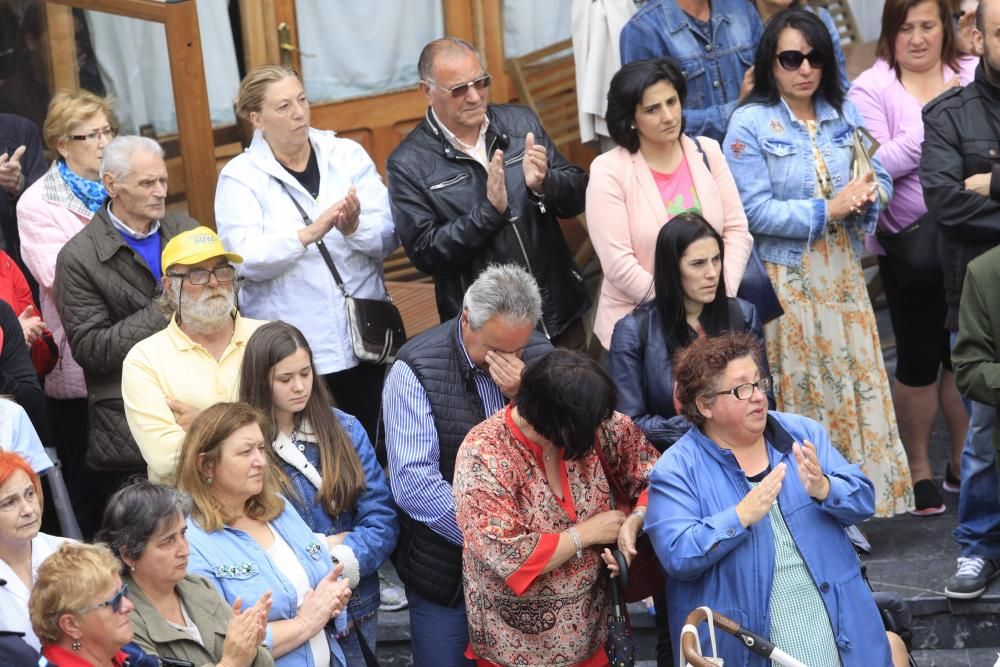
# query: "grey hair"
{"points": [[117, 156], [450, 45], [506, 290], [135, 512]]}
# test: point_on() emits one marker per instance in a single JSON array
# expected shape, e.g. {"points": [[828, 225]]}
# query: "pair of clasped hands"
{"points": [[756, 504], [535, 166]]}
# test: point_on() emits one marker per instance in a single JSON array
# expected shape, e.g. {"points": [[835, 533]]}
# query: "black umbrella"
{"points": [[620, 646]]}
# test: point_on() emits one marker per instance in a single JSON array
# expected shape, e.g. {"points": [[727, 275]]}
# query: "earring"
{"points": [[632, 126], [132, 568], [208, 480], [76, 645]]}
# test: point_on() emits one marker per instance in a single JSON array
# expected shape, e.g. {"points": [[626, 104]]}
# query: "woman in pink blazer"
{"points": [[655, 173]]}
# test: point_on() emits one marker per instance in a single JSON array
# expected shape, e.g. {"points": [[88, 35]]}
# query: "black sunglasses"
{"points": [[792, 60], [461, 89]]}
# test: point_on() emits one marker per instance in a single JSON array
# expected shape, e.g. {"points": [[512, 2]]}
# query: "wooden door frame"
{"points": [[187, 75]]}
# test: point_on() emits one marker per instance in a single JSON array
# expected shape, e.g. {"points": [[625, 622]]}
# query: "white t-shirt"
{"points": [[288, 564]]}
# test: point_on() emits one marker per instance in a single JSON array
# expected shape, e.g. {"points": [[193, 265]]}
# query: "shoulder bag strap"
{"points": [[704, 158], [306, 220]]}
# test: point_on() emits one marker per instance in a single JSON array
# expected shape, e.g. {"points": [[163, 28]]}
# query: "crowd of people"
{"points": [[240, 470]]}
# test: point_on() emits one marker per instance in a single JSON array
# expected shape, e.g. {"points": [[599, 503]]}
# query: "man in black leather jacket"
{"points": [[477, 184], [960, 175]]}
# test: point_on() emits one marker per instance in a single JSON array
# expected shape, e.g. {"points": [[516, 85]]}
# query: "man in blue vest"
{"points": [[445, 381]]}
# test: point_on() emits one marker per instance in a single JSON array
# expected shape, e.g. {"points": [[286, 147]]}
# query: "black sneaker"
{"points": [[927, 499], [971, 577], [951, 484]]}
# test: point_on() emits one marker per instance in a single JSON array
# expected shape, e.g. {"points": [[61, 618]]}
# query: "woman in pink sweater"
{"points": [[655, 173]]}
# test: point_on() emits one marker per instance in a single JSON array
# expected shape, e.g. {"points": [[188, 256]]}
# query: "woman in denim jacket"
{"points": [[248, 541], [328, 468], [790, 149]]}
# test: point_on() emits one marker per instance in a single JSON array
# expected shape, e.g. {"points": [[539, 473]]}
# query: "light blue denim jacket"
{"points": [[372, 521], [240, 568], [771, 158], [713, 71]]}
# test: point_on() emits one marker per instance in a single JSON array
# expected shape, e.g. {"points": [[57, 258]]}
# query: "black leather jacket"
{"points": [[451, 231], [962, 138]]}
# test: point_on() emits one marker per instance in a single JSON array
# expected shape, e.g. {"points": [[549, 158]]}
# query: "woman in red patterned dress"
{"points": [[535, 507]]}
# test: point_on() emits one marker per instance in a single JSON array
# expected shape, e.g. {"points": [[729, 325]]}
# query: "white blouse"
{"points": [[14, 594]]}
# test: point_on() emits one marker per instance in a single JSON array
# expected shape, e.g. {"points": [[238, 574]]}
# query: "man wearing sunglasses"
{"points": [[476, 184], [107, 277], [170, 377]]}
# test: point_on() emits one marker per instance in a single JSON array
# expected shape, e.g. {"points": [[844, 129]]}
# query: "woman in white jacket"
{"points": [[335, 183]]}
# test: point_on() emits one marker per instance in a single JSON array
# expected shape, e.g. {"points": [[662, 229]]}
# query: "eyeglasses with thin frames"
{"points": [[224, 274], [744, 391], [792, 60], [462, 89], [95, 136], [115, 603]]}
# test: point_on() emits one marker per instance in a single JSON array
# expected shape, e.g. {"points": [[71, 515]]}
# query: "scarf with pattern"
{"points": [[91, 193]]}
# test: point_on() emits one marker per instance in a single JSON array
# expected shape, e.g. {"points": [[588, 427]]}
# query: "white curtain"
{"points": [[529, 25], [351, 48], [132, 58], [868, 16]]}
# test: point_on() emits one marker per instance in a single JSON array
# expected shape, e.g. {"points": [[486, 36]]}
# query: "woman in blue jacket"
{"points": [[790, 148], [327, 468], [690, 301], [747, 515]]}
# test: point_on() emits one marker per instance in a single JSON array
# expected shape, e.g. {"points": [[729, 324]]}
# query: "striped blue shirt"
{"points": [[413, 449]]}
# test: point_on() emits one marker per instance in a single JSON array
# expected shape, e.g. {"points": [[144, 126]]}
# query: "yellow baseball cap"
{"points": [[194, 246]]}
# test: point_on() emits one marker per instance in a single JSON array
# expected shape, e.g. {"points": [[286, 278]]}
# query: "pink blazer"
{"points": [[625, 212], [49, 215]]}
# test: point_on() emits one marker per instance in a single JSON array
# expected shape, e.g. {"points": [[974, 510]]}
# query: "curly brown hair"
{"points": [[699, 366]]}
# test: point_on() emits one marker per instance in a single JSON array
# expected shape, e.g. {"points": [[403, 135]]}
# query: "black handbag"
{"points": [[914, 253], [376, 325], [755, 286]]}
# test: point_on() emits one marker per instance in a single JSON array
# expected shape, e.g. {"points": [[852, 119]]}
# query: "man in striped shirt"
{"points": [[445, 381]]}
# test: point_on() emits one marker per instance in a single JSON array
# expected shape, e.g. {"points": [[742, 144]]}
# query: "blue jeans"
{"points": [[439, 635], [978, 529]]}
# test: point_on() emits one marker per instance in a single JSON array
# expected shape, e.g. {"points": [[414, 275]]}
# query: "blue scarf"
{"points": [[91, 193]]}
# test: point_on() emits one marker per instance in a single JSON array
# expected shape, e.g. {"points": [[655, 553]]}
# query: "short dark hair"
{"points": [[135, 512], [625, 94], [699, 366], [765, 87], [565, 396], [671, 243], [894, 16]]}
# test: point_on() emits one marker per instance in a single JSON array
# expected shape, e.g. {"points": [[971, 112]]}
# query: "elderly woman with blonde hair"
{"points": [[80, 608]]}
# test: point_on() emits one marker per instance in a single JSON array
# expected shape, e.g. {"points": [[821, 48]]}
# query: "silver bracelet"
{"points": [[576, 540], [639, 512]]}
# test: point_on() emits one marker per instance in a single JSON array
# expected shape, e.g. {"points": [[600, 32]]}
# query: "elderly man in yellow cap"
{"points": [[195, 362]]}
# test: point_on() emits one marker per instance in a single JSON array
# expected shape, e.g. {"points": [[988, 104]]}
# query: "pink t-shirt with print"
{"points": [[677, 190]]}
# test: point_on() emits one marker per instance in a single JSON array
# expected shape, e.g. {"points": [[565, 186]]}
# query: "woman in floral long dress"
{"points": [[790, 150]]}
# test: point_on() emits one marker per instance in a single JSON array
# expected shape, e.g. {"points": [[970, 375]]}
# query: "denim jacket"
{"points": [[712, 559], [240, 568], [771, 157], [372, 521], [713, 70]]}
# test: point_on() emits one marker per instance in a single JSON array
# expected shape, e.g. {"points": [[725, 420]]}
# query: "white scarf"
{"points": [[289, 452]]}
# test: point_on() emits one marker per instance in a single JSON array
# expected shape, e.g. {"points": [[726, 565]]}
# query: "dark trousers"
{"points": [[664, 646], [358, 391], [88, 489]]}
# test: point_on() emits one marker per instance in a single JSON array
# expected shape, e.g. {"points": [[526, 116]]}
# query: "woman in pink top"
{"points": [[917, 61], [655, 173], [77, 128]]}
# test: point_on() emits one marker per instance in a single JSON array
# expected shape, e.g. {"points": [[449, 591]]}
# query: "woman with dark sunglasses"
{"points": [[768, 8], [790, 148], [80, 608]]}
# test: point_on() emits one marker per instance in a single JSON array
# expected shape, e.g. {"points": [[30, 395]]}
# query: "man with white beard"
{"points": [[194, 363]]}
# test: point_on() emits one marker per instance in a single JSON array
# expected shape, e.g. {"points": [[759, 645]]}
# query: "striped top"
{"points": [[413, 449], [799, 623]]}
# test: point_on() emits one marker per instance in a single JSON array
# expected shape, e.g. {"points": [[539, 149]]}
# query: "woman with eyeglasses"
{"points": [[176, 614], [918, 60], [295, 190], [80, 608], [77, 128], [22, 546], [790, 147], [747, 514]]}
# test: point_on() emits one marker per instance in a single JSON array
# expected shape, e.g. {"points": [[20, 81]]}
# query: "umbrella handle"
{"points": [[753, 641], [619, 583], [622, 567]]}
